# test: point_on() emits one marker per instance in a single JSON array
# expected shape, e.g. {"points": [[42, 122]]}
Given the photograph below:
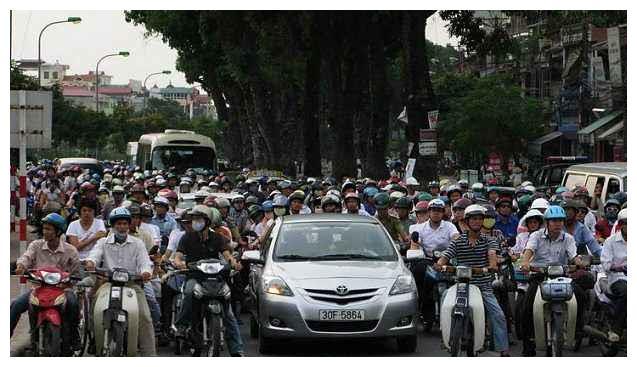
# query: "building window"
{"points": [[46, 75], [55, 75]]}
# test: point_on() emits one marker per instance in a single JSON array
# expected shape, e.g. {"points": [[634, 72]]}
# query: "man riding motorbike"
{"points": [[204, 243], [614, 261]]}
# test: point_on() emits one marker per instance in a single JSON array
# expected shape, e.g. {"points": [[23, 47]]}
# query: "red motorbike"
{"points": [[46, 305]]}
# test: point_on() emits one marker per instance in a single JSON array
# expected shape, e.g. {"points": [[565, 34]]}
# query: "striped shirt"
{"points": [[473, 256]]}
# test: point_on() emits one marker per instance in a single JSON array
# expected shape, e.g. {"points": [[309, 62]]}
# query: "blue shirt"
{"points": [[509, 229], [584, 237], [166, 224], [369, 208]]}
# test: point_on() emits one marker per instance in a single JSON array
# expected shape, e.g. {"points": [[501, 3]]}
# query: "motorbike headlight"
{"points": [[120, 276], [52, 278], [463, 272], [276, 285], [210, 268], [404, 284]]}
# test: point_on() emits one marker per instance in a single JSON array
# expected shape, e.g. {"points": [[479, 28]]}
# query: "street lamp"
{"points": [[145, 80], [97, 77], [74, 20]]}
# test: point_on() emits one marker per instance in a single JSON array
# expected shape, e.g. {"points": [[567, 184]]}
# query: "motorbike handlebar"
{"points": [[474, 271]]}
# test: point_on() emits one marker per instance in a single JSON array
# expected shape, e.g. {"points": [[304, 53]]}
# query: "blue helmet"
{"points": [[267, 206], [280, 201], [445, 199], [560, 190], [119, 213], [55, 220], [555, 212], [370, 191]]}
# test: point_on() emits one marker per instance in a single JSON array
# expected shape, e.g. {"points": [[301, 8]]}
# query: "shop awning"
{"points": [[535, 146], [613, 130], [600, 123]]}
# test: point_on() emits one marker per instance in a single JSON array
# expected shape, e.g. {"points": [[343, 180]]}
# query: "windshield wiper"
{"points": [[294, 257], [346, 257]]}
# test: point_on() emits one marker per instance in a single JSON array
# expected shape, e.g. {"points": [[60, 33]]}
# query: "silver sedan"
{"points": [[331, 276]]}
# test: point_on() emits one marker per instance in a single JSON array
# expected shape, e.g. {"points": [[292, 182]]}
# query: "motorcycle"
{"points": [[175, 281], [601, 320], [521, 279], [504, 288], [442, 281], [116, 314], [213, 294], [46, 305], [554, 310], [462, 316]]}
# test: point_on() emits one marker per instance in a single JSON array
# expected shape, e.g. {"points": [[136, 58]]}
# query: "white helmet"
{"points": [[526, 183], [540, 203], [474, 209], [396, 195], [532, 213], [412, 181], [530, 188], [622, 215]]}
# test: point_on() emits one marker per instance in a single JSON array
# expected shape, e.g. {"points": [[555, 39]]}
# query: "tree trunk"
{"points": [[312, 144], [375, 165]]}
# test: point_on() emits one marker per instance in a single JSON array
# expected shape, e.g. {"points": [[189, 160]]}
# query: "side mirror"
{"points": [[414, 255], [252, 257]]}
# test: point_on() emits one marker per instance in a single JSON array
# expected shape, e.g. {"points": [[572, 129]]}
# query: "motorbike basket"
{"points": [[559, 289]]}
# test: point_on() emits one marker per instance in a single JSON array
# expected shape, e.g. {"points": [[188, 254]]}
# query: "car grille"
{"points": [[342, 326], [355, 295]]}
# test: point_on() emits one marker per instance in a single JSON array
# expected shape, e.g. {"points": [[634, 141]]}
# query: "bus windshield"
{"points": [[183, 157]]}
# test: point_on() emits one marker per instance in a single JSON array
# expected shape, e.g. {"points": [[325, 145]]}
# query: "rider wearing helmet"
{"points": [[161, 219], [280, 205], [121, 250], [488, 226], [531, 222], [146, 225], [296, 201], [411, 183], [434, 188], [603, 228], [353, 205], [238, 216], [492, 194], [421, 212], [506, 221], [463, 185], [205, 243], [614, 261], [458, 209], [403, 208], [330, 204], [454, 193], [548, 246], [583, 237], [589, 218], [368, 199], [51, 251], [474, 249], [86, 231], [392, 224]]}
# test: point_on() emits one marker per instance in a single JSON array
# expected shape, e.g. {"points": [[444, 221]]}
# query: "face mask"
{"points": [[488, 223], [279, 212], [198, 225], [120, 236]]}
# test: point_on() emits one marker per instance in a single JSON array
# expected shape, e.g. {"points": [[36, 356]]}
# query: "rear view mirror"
{"points": [[415, 254], [253, 257]]}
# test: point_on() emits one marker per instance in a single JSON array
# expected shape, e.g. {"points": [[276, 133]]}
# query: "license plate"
{"points": [[341, 315]]}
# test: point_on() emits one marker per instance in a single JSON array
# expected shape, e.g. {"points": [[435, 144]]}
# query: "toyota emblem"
{"points": [[342, 290]]}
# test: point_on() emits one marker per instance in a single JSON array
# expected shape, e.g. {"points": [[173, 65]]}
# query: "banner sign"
{"points": [[614, 55], [433, 119]]}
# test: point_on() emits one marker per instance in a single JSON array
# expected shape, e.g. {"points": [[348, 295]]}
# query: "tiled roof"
{"points": [[115, 90], [76, 92]]}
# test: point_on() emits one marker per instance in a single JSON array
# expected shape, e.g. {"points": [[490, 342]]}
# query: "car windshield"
{"points": [[183, 157], [333, 241]]}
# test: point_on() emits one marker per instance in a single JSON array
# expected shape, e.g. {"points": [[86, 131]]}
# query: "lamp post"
{"points": [[74, 20], [97, 77], [145, 80]]}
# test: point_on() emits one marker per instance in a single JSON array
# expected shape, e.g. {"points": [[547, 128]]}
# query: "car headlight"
{"points": [[120, 276], [52, 278], [404, 284], [276, 285]]}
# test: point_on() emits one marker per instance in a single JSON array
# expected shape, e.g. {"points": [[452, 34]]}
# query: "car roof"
{"points": [[79, 161], [328, 217], [616, 168]]}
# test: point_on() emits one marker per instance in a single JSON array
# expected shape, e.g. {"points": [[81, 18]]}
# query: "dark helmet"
{"points": [[254, 211], [403, 203], [462, 203], [252, 200], [503, 200], [490, 210], [135, 210], [297, 195], [330, 199], [147, 210], [381, 200]]}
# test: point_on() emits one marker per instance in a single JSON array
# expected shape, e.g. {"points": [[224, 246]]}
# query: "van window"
{"points": [[613, 187], [592, 181], [574, 179], [556, 176]]}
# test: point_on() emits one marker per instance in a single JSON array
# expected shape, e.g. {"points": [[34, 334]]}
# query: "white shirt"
{"points": [[153, 230], [260, 227], [614, 254], [434, 239], [361, 211], [589, 221], [520, 242], [173, 239], [75, 229]]}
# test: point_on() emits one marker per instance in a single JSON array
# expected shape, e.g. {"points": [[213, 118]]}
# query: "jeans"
{"points": [[153, 305], [619, 289], [497, 320], [70, 314], [191, 309]]}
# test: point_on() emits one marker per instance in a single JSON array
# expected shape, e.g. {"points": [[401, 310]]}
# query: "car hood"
{"points": [[303, 270]]}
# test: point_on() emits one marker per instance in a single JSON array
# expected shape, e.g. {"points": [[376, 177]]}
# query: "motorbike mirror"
{"points": [[437, 254]]}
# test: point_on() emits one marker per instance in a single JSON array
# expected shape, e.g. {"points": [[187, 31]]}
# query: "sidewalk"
{"points": [[20, 338]]}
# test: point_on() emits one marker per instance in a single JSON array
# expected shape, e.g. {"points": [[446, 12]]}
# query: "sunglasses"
{"points": [[505, 206]]}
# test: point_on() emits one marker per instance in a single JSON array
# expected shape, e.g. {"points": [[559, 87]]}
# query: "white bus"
{"points": [[181, 149], [131, 153]]}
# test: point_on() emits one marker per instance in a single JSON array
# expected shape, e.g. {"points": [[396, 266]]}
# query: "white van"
{"points": [[181, 149], [611, 175]]}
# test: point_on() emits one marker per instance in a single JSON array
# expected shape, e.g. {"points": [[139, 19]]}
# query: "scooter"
{"points": [[601, 321], [116, 314], [504, 288], [462, 317], [554, 310], [442, 282], [521, 279], [213, 294], [46, 304]]}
